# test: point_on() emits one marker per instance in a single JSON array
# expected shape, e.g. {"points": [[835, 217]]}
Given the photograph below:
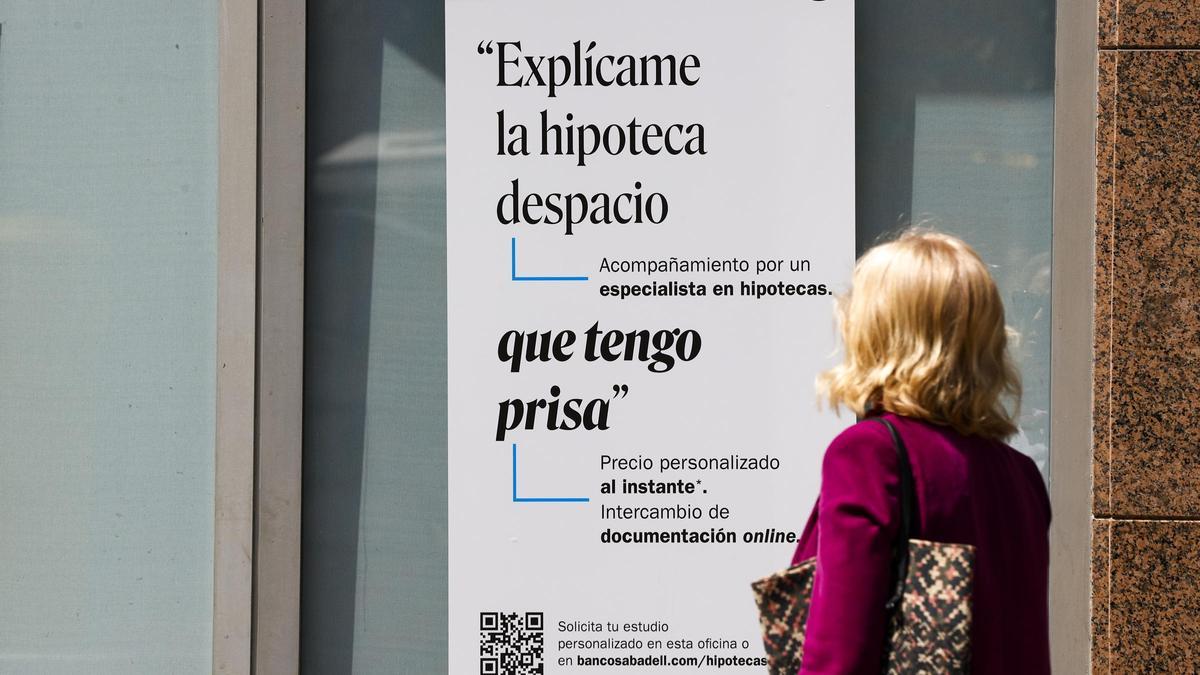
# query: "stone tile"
{"points": [[1157, 23], [1107, 29], [1102, 335], [1155, 437], [1155, 597], [1101, 569]]}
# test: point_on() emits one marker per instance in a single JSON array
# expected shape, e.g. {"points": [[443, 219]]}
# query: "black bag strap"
{"points": [[908, 509]]}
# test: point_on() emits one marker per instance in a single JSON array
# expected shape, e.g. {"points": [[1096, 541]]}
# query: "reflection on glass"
{"points": [[955, 131], [374, 511], [982, 169]]}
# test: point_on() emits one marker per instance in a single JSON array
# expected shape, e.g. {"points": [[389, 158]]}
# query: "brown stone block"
{"points": [[1156, 23], [1155, 430], [1154, 598], [1107, 29], [1101, 577], [1102, 336]]}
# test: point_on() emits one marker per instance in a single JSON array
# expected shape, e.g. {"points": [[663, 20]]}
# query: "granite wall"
{"points": [[1146, 464]]}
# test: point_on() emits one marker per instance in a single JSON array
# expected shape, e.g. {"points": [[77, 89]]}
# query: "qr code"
{"points": [[510, 644]]}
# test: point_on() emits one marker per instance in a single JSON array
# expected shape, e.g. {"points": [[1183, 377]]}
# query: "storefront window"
{"points": [[954, 130]]}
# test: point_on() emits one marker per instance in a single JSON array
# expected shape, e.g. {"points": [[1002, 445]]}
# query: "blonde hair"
{"points": [[924, 336]]}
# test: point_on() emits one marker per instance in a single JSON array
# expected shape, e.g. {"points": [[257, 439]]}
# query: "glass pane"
{"points": [[374, 514], [955, 126], [108, 168]]}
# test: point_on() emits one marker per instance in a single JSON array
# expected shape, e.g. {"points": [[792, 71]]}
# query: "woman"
{"points": [[926, 347]]}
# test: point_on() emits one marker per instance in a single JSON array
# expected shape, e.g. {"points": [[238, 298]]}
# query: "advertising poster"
{"points": [[650, 207]]}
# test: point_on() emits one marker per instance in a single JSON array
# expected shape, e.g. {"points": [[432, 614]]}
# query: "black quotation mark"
{"points": [[484, 48], [620, 390]]}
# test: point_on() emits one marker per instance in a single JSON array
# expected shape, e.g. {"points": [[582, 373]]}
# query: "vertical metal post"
{"points": [[280, 337], [1071, 341], [236, 316]]}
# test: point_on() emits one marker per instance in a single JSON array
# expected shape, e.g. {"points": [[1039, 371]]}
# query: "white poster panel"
{"points": [[650, 206]]}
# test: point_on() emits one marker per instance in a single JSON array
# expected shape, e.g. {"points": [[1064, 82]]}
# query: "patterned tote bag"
{"points": [[929, 613]]}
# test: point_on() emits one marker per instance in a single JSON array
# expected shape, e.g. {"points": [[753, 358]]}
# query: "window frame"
{"points": [[1072, 318], [237, 194]]}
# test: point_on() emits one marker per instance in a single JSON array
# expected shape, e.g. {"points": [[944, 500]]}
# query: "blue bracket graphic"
{"points": [[516, 277], [515, 498]]}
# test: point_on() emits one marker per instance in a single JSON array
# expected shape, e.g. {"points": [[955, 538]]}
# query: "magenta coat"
{"points": [[969, 490]]}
